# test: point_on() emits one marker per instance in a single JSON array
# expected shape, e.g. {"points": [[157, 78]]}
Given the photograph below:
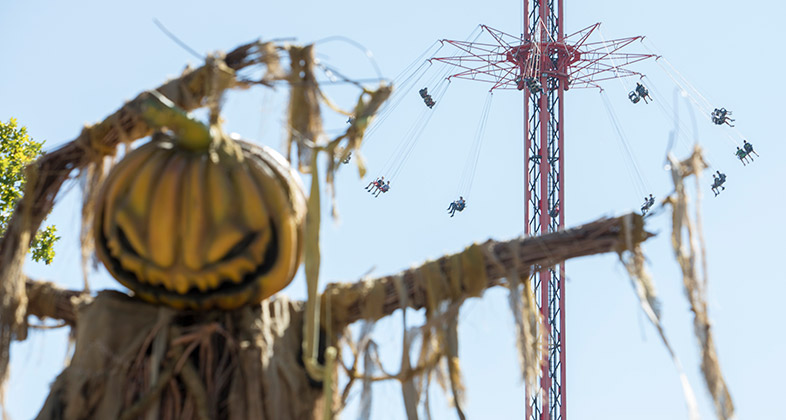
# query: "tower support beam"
{"points": [[542, 63]]}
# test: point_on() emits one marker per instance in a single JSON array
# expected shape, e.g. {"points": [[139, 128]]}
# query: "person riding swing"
{"points": [[383, 188], [720, 116], [717, 182], [742, 156], [457, 206], [642, 92], [374, 185], [648, 203], [427, 97], [749, 149]]}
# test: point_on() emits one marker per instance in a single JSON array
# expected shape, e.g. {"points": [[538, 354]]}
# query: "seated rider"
{"points": [[423, 93], [642, 91], [457, 205], [383, 188], [715, 185], [721, 177], [347, 159], [374, 185], [634, 97], [742, 155], [648, 203], [749, 148], [717, 182], [720, 116]]}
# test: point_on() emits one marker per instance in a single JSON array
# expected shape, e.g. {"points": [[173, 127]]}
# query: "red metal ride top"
{"points": [[579, 64]]}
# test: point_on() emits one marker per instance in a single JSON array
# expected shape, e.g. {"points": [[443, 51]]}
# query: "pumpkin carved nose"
{"points": [[199, 229]]}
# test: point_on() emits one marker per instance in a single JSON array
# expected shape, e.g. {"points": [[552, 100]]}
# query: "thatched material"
{"points": [[117, 336], [441, 287], [633, 259], [135, 360], [373, 299], [690, 257], [47, 300], [305, 118]]}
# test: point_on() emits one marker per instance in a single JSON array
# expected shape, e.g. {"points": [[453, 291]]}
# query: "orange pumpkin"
{"points": [[211, 226]]}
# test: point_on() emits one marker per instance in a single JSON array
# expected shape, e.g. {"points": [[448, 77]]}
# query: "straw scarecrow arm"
{"points": [[374, 299], [47, 300], [477, 268]]}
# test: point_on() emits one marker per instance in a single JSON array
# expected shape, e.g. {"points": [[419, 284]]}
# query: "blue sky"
{"points": [[66, 64]]}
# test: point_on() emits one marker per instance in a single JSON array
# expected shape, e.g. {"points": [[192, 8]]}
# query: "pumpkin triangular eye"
{"points": [[239, 247]]}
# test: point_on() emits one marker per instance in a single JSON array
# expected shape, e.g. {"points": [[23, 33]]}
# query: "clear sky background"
{"points": [[66, 64]]}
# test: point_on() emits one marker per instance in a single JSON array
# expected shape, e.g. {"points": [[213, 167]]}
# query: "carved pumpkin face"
{"points": [[198, 229]]}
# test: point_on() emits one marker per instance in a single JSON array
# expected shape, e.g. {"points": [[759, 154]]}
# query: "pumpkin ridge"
{"points": [[226, 287]]}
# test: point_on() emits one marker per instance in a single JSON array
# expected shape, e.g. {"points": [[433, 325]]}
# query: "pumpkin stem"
{"points": [[159, 112]]}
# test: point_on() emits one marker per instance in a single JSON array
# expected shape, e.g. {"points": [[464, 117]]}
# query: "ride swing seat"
{"points": [[634, 97]]}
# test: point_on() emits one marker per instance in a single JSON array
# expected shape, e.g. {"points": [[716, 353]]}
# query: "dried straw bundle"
{"points": [[134, 360]]}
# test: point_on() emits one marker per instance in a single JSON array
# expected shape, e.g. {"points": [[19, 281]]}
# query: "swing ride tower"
{"points": [[544, 63]]}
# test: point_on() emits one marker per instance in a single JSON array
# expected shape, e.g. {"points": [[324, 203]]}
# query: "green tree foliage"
{"points": [[17, 149]]}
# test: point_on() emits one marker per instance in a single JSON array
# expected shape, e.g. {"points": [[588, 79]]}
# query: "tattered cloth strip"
{"points": [[527, 318], [441, 287], [633, 259], [687, 253], [305, 118], [440, 334]]}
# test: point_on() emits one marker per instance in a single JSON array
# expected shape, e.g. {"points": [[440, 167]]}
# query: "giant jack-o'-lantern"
{"points": [[201, 221]]}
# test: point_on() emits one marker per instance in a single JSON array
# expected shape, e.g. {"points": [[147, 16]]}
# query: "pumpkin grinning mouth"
{"points": [[226, 286]]}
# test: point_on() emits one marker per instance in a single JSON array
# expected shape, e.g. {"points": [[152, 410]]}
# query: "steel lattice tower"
{"points": [[544, 63]]}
